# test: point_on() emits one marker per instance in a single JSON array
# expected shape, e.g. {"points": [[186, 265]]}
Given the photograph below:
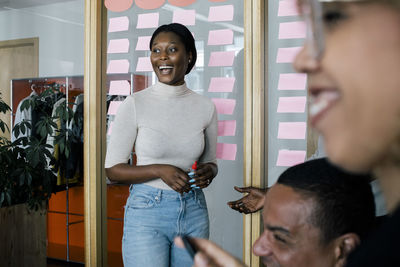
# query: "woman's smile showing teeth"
{"points": [[169, 58], [321, 101], [165, 69]]}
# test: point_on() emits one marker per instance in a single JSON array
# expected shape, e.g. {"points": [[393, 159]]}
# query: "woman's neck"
{"points": [[388, 175]]}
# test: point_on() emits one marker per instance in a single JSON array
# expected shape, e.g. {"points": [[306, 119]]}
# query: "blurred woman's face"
{"points": [[169, 58], [355, 86]]}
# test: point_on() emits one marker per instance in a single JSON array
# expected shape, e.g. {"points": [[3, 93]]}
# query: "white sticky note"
{"points": [[148, 20], [292, 130], [184, 16], [144, 64], [221, 13], [292, 30], [118, 46], [118, 66], [120, 87], [118, 24], [288, 158], [296, 104], [220, 37], [221, 84]]}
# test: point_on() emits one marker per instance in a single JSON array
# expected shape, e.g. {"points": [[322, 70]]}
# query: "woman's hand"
{"points": [[209, 254], [252, 202], [174, 177], [205, 173]]}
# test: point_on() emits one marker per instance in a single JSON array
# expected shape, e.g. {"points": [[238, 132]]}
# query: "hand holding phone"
{"points": [[189, 246]]}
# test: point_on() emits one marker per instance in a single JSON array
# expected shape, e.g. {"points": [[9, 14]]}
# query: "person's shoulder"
{"points": [[381, 247], [142, 92], [139, 95], [202, 98]]}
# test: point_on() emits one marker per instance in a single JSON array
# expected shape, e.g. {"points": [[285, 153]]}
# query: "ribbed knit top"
{"points": [[166, 125]]}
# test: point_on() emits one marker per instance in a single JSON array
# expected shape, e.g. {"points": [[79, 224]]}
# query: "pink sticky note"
{"points": [[109, 130], [292, 130], [224, 106], [121, 87], [221, 59], [118, 24], [118, 66], [184, 16], [220, 13], [287, 55], [226, 128], [149, 20], [288, 158], [292, 81], [143, 43], [226, 151], [287, 8], [144, 64], [295, 104], [220, 37], [292, 30], [113, 108], [118, 6], [118, 46], [221, 84]]}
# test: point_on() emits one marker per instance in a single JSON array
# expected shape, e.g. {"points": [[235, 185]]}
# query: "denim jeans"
{"points": [[153, 217]]}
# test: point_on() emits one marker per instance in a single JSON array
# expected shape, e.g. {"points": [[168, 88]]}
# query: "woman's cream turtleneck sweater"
{"points": [[166, 125]]}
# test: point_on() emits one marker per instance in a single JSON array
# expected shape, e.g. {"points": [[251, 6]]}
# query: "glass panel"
{"points": [[287, 95], [217, 27], [41, 51]]}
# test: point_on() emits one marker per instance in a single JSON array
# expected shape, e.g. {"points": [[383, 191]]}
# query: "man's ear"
{"points": [[344, 245]]}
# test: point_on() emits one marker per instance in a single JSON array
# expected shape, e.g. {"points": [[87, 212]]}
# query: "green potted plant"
{"points": [[28, 173]]}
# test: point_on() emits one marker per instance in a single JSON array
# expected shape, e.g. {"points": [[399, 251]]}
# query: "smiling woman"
{"points": [[353, 76], [171, 57], [170, 128]]}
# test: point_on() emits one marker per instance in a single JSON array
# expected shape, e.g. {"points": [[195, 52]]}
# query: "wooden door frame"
{"points": [[95, 209], [254, 114]]}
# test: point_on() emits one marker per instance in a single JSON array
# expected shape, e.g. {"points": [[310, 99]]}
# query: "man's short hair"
{"points": [[344, 201]]}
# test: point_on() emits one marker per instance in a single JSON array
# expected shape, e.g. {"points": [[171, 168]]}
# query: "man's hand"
{"points": [[252, 202], [210, 255]]}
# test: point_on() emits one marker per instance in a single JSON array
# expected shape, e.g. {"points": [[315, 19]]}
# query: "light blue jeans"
{"points": [[153, 217]]}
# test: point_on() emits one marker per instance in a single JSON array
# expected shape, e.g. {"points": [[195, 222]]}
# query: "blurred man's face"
{"points": [[289, 238]]}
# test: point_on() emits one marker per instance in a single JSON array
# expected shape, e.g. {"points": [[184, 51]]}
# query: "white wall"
{"points": [[60, 30]]}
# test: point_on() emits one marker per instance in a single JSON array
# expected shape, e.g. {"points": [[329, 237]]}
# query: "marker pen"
{"points": [[192, 174]]}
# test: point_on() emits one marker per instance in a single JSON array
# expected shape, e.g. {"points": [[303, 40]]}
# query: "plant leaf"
{"points": [[21, 179], [8, 197], [1, 199], [28, 178]]}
